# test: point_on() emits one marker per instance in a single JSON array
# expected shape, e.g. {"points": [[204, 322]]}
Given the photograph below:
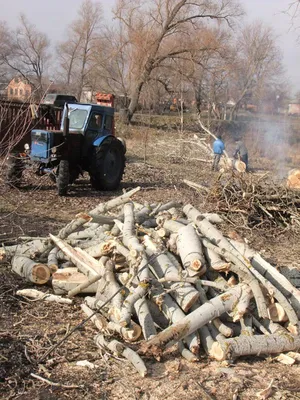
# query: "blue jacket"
{"points": [[218, 146]]}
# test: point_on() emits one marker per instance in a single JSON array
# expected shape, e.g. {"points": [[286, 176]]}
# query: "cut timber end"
{"points": [[85, 216], [276, 313], [40, 274], [217, 352], [293, 180], [240, 166]]}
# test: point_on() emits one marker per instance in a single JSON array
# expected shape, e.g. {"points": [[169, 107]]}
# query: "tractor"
{"points": [[86, 141]]}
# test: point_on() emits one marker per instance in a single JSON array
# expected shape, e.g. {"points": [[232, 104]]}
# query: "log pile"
{"points": [[255, 201], [160, 274]]}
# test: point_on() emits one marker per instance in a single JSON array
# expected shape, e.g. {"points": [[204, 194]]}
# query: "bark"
{"points": [[190, 250], [120, 350], [278, 280], [101, 249], [172, 226], [215, 261], [145, 318], [37, 295], [184, 294], [255, 345], [105, 207], [84, 285], [68, 279], [129, 238], [174, 314], [52, 259], [31, 270], [195, 320], [85, 263], [187, 354], [245, 275]]}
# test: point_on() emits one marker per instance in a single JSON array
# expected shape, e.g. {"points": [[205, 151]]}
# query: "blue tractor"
{"points": [[85, 142]]}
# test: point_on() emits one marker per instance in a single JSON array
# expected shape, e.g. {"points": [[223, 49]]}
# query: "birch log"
{"points": [[31, 270], [68, 279], [86, 264], [190, 250], [254, 345], [37, 295], [278, 280], [105, 207], [145, 318], [195, 320], [129, 238], [119, 349]]}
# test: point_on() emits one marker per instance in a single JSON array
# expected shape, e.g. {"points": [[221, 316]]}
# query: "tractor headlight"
{"points": [[26, 146], [53, 150]]}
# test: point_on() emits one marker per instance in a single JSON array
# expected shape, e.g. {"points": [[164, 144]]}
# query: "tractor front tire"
{"points": [[15, 168], [107, 165], [63, 178]]}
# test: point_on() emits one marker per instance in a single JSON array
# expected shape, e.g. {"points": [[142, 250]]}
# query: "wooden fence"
{"points": [[18, 119]]}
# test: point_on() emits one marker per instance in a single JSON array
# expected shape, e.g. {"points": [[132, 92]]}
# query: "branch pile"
{"points": [[257, 201], [162, 274]]}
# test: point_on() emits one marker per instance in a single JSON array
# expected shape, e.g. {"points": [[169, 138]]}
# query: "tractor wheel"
{"points": [[107, 165], [15, 168], [63, 177]]}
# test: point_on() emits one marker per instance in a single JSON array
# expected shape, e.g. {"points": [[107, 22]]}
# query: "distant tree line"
{"points": [[154, 50]]}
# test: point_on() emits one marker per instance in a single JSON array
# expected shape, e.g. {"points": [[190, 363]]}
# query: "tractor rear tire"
{"points": [[15, 168], [63, 178], [107, 165]]}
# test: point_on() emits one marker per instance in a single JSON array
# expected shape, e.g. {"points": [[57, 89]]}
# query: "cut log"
{"points": [[31, 270], [68, 279], [105, 207], [254, 345], [37, 295], [84, 285], [278, 280], [145, 318], [172, 226], [101, 249], [187, 354], [277, 313], [120, 350], [129, 238], [215, 261], [184, 293], [293, 180], [86, 264], [195, 320], [190, 250], [52, 259]]}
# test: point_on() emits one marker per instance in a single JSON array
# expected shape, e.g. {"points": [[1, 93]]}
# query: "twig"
{"points": [[55, 383]]}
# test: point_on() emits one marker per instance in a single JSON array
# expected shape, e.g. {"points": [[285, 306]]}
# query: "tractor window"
{"points": [[77, 118], [108, 122], [95, 121]]}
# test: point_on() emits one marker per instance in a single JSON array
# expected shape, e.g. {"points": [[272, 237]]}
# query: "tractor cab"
{"points": [[85, 142]]}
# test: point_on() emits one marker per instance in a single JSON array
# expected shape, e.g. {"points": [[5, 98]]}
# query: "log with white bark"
{"points": [[84, 285], [30, 249], [184, 293], [174, 314], [68, 279], [278, 280], [120, 350], [244, 274], [32, 271], [215, 261], [129, 238], [190, 250], [100, 249], [172, 226], [37, 295], [195, 320], [254, 345], [145, 319], [187, 354], [105, 207], [52, 259], [85, 263]]}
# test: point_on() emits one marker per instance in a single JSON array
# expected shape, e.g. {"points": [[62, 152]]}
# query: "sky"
{"points": [[53, 16]]}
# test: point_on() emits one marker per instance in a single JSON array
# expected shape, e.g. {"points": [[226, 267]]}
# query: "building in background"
{"points": [[19, 89]]}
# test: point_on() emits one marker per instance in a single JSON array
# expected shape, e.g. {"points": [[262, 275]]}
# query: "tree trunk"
{"points": [[254, 345], [32, 271]]}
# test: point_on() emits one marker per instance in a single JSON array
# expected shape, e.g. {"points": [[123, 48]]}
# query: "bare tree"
{"points": [[30, 53], [5, 49], [158, 30], [256, 61], [76, 54]]}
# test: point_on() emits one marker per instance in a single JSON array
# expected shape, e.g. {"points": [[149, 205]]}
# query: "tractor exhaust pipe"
{"points": [[66, 121]]}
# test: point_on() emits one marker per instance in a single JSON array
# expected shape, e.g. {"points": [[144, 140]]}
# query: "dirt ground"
{"points": [[29, 329]]}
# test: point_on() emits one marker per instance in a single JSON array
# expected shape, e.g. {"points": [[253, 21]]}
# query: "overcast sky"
{"points": [[52, 16]]}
